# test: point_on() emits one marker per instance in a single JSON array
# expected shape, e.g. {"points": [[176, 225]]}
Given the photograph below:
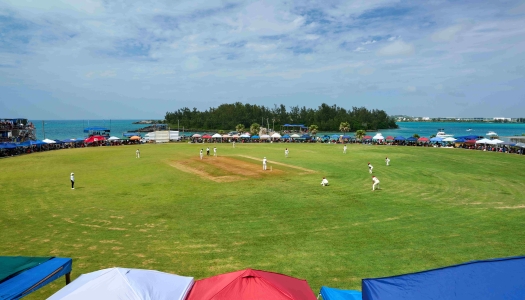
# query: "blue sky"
{"points": [[111, 59]]}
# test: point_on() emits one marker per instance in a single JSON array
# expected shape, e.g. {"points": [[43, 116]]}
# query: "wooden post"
{"points": [[68, 278]]}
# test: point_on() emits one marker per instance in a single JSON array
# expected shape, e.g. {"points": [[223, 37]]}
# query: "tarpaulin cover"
{"points": [[501, 278], [31, 279], [250, 285], [126, 284], [337, 294], [12, 265]]}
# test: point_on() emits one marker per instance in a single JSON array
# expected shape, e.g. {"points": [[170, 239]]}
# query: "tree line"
{"points": [[325, 117]]}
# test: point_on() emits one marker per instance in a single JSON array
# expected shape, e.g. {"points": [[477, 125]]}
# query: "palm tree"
{"points": [[360, 134], [254, 128], [344, 127], [239, 128], [416, 135], [220, 131], [313, 129]]}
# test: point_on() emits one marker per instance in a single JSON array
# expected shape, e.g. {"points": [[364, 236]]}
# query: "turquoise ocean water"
{"points": [[66, 129]]}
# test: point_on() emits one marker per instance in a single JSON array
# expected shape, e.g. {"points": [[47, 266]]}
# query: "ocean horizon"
{"points": [[66, 129]]}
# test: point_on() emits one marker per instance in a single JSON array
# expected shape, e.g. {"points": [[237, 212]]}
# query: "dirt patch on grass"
{"points": [[512, 207], [222, 169]]}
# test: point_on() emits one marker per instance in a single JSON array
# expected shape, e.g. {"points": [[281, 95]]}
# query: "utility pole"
{"points": [[178, 127]]}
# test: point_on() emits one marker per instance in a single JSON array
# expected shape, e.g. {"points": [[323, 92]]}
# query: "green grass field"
{"points": [[172, 212]]}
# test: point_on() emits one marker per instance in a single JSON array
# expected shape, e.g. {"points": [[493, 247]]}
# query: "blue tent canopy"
{"points": [[337, 294], [25, 281], [286, 136], [468, 137], [335, 136], [461, 140], [399, 138], [95, 128], [500, 278], [305, 136], [8, 146], [436, 139], [59, 142], [412, 139], [255, 137], [346, 137], [130, 134]]}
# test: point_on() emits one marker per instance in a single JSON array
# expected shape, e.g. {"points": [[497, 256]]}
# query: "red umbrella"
{"points": [[95, 138], [251, 284], [389, 138], [206, 136], [367, 137], [423, 139]]}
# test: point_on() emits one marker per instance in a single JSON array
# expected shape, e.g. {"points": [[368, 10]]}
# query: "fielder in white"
{"points": [[286, 152], [201, 154], [264, 164], [324, 182], [376, 183], [370, 168], [387, 160], [344, 149], [214, 151], [137, 154]]}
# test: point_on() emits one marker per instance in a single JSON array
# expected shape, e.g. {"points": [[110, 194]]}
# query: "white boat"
{"points": [[441, 134], [491, 133], [469, 129]]}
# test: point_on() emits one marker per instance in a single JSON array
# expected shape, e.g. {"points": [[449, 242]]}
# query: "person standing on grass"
{"points": [[137, 154], [324, 182], [233, 144], [201, 154], [286, 152], [344, 149], [370, 168], [264, 164], [375, 184], [72, 181], [214, 151], [387, 160], [208, 151]]}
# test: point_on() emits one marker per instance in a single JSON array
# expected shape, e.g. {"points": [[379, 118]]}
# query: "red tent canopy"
{"points": [[206, 136], [251, 284], [95, 138], [367, 137], [389, 138], [423, 139], [470, 142]]}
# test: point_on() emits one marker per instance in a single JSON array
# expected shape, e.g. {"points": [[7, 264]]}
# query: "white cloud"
{"points": [[411, 89], [192, 63], [360, 49], [369, 42], [396, 48], [393, 38], [311, 37], [261, 47], [367, 71], [448, 34]]}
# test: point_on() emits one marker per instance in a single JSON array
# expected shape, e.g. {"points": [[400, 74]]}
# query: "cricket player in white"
{"points": [[376, 183], [137, 154], [214, 151], [387, 160], [324, 182], [264, 164], [286, 152], [344, 149], [72, 181], [370, 168], [201, 154]]}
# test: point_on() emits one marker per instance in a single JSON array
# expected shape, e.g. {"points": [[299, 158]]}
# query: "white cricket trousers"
{"points": [[376, 184], [264, 167]]}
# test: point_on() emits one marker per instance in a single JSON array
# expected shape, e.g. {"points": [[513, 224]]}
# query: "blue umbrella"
{"points": [[436, 139], [399, 138]]}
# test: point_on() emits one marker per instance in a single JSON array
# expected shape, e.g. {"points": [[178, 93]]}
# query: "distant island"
{"points": [[148, 122], [403, 118]]}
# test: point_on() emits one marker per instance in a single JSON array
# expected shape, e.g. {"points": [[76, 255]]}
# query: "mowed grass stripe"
{"points": [[436, 207]]}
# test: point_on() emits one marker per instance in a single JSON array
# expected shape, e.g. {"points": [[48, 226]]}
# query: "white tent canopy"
{"points": [[216, 136], [449, 139], [126, 284], [113, 138], [295, 135], [484, 141], [48, 141], [496, 141], [276, 135], [245, 135], [378, 136], [264, 137]]}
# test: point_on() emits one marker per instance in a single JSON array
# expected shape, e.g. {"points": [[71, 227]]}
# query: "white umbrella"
{"points": [[196, 135], [522, 145], [113, 138], [126, 284], [484, 141], [496, 141], [295, 135], [378, 136], [218, 136], [276, 136], [48, 141], [264, 137], [245, 135]]}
